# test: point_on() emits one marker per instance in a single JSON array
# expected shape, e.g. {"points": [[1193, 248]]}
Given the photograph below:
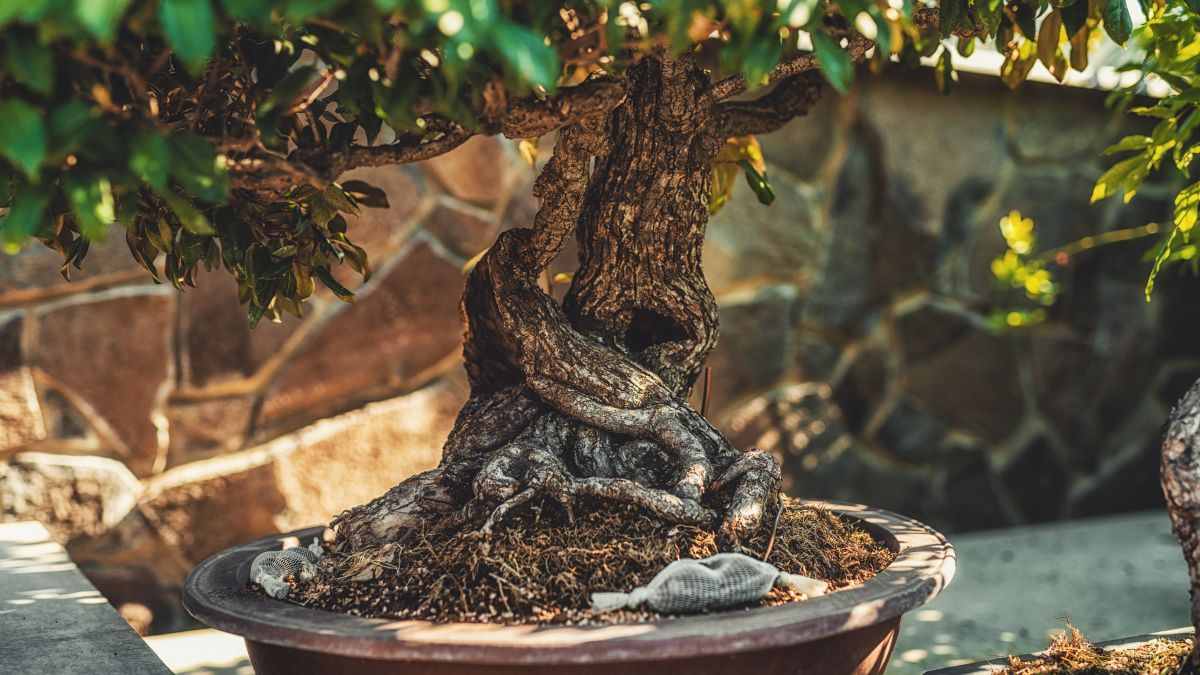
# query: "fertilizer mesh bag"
{"points": [[271, 569], [691, 586]]}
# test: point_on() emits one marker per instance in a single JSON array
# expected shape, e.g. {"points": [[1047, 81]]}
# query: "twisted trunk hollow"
{"points": [[588, 398]]}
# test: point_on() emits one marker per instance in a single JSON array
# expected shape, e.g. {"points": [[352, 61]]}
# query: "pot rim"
{"points": [[216, 594]]}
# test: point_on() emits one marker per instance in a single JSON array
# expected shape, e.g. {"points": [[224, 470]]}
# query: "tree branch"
{"points": [[524, 118], [796, 65], [790, 98], [407, 148], [532, 117]]}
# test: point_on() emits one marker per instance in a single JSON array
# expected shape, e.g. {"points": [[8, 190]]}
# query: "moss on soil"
{"points": [[537, 568], [1072, 654]]}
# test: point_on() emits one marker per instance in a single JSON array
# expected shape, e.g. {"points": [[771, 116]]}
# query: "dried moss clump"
{"points": [[1071, 653], [540, 569]]}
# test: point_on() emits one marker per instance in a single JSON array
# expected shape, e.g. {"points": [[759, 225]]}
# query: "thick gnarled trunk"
{"points": [[588, 398], [1181, 489]]}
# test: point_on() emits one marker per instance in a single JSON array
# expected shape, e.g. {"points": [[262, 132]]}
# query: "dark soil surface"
{"points": [[1073, 654], [538, 568]]}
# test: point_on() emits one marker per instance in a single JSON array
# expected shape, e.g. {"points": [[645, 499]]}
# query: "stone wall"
{"points": [[151, 428]]}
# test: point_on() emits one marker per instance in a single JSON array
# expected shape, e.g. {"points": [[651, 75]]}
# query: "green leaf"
{"points": [[1186, 204], [525, 52], [100, 16], [1124, 176], [760, 58], [190, 28], [31, 64], [757, 182], [29, 11], [22, 136], [1074, 17], [834, 61], [1026, 19], [286, 90], [1134, 142], [257, 12], [299, 10], [1164, 252], [92, 203], [23, 218], [949, 14], [189, 216], [943, 73], [332, 284], [194, 165], [1117, 22], [70, 125], [150, 159], [366, 194], [1153, 111], [337, 198]]}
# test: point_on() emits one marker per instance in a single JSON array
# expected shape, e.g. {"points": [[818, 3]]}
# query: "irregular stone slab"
{"points": [[756, 348], [750, 244], [356, 457], [377, 229], [382, 232], [33, 273], [112, 350], [202, 429], [478, 171], [972, 384], [302, 478], [71, 495], [402, 324], [463, 231], [217, 342], [21, 419], [53, 620]]}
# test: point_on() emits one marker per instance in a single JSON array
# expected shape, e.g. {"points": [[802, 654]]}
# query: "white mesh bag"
{"points": [[271, 569], [690, 586]]}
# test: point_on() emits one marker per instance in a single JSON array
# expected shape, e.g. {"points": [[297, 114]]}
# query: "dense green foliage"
{"points": [[214, 131], [1170, 40]]}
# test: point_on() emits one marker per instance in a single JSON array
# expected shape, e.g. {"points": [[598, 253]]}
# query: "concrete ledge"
{"points": [[1110, 577], [52, 620]]}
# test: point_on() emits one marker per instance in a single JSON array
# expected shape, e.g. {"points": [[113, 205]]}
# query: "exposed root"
{"points": [[516, 500], [539, 568]]}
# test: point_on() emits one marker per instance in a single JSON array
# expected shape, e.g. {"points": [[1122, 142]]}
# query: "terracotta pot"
{"points": [[850, 631], [996, 665]]}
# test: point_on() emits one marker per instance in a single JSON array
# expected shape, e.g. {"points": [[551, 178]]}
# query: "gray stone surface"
{"points": [[53, 621], [1111, 577]]}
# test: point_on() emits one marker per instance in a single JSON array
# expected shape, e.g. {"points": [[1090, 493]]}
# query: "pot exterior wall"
{"points": [[865, 651]]}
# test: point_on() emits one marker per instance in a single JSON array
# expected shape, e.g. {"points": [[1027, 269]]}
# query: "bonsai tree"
{"points": [[215, 132]]}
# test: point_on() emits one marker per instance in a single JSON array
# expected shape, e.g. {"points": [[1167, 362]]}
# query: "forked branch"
{"points": [[791, 98]]}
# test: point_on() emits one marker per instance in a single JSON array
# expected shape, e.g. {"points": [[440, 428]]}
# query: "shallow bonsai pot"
{"points": [[849, 631], [998, 664]]}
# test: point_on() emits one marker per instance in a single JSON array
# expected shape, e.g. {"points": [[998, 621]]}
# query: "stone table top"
{"points": [[1112, 577], [52, 620]]}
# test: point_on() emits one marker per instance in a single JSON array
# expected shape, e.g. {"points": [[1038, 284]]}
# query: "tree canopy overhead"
{"points": [[214, 131]]}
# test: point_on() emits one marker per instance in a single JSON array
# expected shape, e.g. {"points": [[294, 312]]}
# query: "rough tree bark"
{"points": [[588, 398], [1181, 487]]}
